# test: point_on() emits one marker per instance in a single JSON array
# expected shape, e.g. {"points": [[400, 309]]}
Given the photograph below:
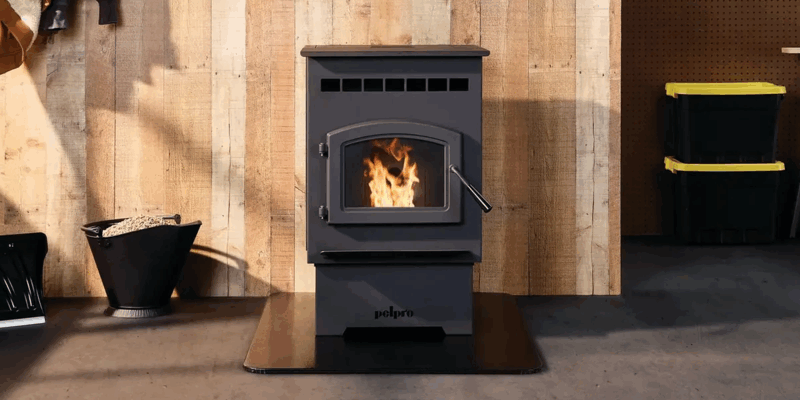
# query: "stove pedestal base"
{"points": [[285, 343], [378, 296]]}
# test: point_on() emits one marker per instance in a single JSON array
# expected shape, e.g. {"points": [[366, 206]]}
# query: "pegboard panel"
{"points": [[696, 41]]}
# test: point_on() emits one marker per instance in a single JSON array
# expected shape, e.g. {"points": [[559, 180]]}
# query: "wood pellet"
{"points": [[136, 224]]}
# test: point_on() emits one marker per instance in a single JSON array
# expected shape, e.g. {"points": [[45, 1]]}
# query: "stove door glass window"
{"points": [[394, 172]]}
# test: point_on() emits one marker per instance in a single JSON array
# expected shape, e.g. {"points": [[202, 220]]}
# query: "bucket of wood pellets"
{"points": [[140, 261]]}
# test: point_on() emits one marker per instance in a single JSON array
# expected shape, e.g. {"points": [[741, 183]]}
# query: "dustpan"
{"points": [[21, 266]]}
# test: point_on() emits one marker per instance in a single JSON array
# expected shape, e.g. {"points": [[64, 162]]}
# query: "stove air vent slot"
{"points": [[395, 255], [351, 85], [437, 85], [394, 334], [395, 85], [459, 84], [330, 85], [415, 85], [373, 85]]}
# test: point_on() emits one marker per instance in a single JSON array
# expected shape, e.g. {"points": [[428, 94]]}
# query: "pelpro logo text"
{"points": [[392, 313]]}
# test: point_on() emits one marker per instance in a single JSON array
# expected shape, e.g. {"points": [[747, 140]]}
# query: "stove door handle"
{"points": [[485, 206]]}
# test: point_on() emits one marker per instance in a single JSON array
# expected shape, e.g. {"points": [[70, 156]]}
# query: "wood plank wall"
{"points": [[198, 107]]}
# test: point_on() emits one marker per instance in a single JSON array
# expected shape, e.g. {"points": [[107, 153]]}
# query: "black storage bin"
{"points": [[722, 123], [787, 198], [666, 187], [724, 207]]}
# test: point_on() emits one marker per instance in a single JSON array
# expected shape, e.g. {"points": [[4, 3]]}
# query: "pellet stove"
{"points": [[393, 138], [394, 212]]}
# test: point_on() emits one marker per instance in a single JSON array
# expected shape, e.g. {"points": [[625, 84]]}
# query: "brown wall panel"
{"points": [[199, 109]]}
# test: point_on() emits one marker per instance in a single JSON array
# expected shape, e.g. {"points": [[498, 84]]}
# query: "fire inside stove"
{"points": [[394, 172], [391, 186]]}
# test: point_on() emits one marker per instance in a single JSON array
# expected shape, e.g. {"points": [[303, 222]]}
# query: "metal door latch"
{"points": [[323, 149], [323, 213]]}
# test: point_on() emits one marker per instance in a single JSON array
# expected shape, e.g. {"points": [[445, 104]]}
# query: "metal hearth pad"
{"points": [[285, 343]]}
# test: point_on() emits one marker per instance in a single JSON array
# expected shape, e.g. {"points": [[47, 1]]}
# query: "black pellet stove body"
{"points": [[393, 204], [389, 231]]}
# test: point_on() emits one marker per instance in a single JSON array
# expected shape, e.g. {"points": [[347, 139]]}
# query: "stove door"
{"points": [[393, 172]]}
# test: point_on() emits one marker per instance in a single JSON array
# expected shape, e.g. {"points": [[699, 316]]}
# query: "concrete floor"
{"points": [[693, 323]]}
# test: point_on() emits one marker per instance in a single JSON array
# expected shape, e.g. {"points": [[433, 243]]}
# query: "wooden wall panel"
{"points": [[24, 166], [131, 54], [100, 132], [350, 24], [465, 22], [592, 108], [282, 132], [430, 21], [698, 41], [3, 175], [551, 65], [504, 31], [228, 113], [24, 179], [390, 22], [66, 159], [270, 181], [314, 24], [187, 130], [257, 147], [199, 109], [614, 150], [140, 137]]}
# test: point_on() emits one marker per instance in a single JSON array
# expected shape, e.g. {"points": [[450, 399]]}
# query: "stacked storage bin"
{"points": [[721, 145]]}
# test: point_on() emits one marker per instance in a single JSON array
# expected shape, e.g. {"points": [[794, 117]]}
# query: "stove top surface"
{"points": [[394, 51]]}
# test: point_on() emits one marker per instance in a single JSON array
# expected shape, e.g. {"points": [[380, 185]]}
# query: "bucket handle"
{"points": [[176, 217], [97, 233], [95, 230]]}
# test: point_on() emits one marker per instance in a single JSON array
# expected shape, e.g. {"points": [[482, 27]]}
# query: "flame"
{"points": [[387, 189]]}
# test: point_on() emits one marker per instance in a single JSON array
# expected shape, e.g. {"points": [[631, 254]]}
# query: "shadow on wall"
{"points": [[22, 348], [153, 124], [531, 176], [669, 286], [194, 282]]}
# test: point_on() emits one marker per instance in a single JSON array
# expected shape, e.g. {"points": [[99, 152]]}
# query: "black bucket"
{"points": [[140, 269]]}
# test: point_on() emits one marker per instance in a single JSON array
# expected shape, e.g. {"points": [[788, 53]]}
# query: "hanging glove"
{"points": [[54, 17], [108, 12]]}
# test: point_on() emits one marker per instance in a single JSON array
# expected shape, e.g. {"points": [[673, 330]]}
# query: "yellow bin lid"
{"points": [[738, 88], [671, 164]]}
